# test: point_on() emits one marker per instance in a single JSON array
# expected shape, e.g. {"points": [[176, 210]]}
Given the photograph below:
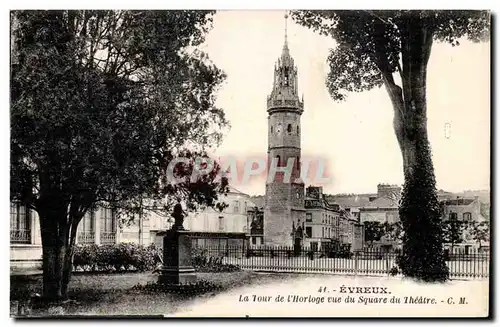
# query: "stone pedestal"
{"points": [[177, 260]]}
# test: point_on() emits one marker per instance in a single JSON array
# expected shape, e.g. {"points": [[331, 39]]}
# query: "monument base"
{"points": [[177, 276], [177, 259]]}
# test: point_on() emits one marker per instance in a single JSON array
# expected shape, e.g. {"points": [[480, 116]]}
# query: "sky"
{"points": [[355, 138]]}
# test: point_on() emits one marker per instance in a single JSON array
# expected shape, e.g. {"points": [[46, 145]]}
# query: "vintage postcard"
{"points": [[250, 163]]}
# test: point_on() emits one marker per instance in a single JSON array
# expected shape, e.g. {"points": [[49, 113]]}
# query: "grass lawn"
{"points": [[112, 294]]}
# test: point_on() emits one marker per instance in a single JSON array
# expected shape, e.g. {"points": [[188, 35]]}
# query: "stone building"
{"points": [[466, 210], [97, 227], [256, 223], [101, 227], [232, 219], [384, 207], [381, 206], [326, 224], [462, 209], [284, 199]]}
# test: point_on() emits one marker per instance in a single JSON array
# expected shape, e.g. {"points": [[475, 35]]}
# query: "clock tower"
{"points": [[284, 212]]}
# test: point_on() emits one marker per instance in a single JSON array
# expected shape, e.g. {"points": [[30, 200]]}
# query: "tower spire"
{"points": [[286, 34], [285, 54]]}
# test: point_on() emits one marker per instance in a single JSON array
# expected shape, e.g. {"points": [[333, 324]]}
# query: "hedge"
{"points": [[203, 262], [134, 257], [116, 257]]}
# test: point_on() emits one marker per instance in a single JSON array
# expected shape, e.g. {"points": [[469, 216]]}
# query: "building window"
{"points": [[108, 226], [271, 129], [309, 217], [467, 216], [453, 216], [20, 224], [323, 232], [289, 128], [314, 246], [278, 161], [309, 232], [87, 232], [236, 206], [298, 130], [221, 223], [254, 240]]}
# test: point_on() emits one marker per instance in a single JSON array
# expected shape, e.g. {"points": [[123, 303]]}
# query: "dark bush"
{"points": [[340, 253], [116, 257], [447, 256], [200, 257], [196, 288], [203, 262], [85, 257], [310, 254]]}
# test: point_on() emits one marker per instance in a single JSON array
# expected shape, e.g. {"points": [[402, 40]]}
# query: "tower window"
{"points": [[278, 159], [278, 129], [271, 129], [298, 130], [289, 128]]}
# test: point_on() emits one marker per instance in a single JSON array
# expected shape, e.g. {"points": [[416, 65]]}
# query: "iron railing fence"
{"points": [[20, 236], [86, 237], [108, 237], [462, 264]]}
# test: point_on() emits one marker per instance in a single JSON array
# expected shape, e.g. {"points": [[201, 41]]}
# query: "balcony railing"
{"points": [[282, 103], [108, 237], [87, 237], [20, 236]]}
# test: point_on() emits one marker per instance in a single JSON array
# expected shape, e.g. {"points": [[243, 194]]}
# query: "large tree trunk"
{"points": [[57, 254], [53, 253], [423, 256], [68, 259]]}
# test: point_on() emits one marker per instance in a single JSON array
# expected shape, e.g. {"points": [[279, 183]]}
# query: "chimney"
{"points": [[315, 192], [388, 191]]}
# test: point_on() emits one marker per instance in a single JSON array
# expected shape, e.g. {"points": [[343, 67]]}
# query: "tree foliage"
{"points": [[393, 231], [480, 232], [101, 103], [374, 231], [453, 231], [108, 98], [371, 44], [392, 48]]}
